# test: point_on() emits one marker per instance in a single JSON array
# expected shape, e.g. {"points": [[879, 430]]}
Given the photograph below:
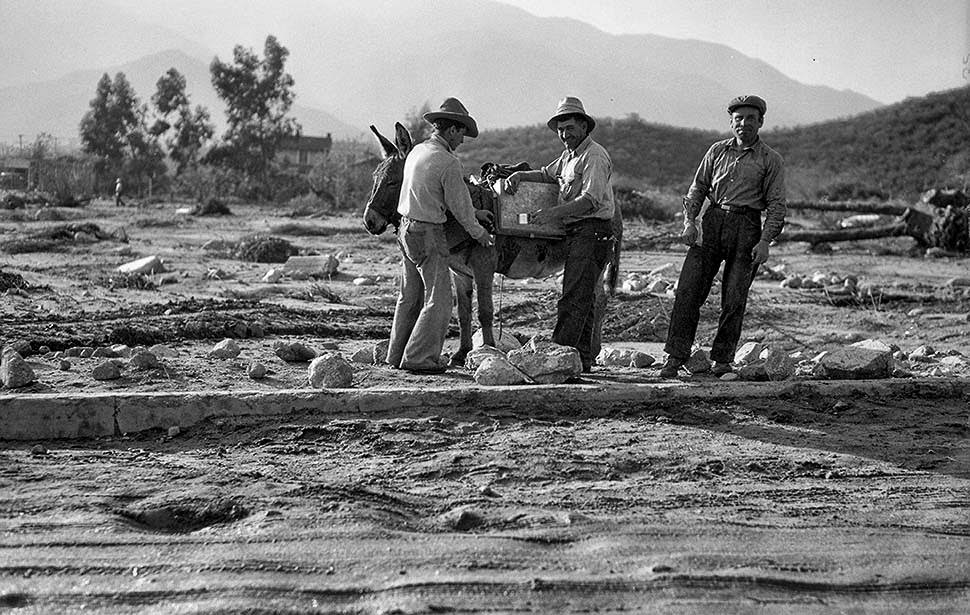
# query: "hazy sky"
{"points": [[886, 49]]}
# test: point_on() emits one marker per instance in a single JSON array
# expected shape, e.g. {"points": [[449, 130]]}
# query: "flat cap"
{"points": [[748, 100]]}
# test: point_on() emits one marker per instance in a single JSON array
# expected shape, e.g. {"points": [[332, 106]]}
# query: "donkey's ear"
{"points": [[386, 145], [402, 138]]}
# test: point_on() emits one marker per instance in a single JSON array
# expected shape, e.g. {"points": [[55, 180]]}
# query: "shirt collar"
{"points": [[582, 147], [440, 141], [735, 144]]}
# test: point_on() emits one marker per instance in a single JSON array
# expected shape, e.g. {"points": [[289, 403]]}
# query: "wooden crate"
{"points": [[529, 197]]}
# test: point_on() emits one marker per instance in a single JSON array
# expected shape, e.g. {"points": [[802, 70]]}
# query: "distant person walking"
{"points": [[119, 191], [740, 177], [433, 184], [584, 172]]}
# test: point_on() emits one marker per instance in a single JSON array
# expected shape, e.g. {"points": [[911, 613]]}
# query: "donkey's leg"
{"points": [[463, 299], [483, 265]]}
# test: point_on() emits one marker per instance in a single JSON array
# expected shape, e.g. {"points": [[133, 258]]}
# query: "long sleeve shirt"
{"points": [[433, 184], [586, 171], [730, 174]]}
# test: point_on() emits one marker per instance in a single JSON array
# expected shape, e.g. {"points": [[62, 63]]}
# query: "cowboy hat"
{"points": [[570, 106], [452, 109]]}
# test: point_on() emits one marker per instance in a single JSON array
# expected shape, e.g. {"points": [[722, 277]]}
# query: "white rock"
{"points": [[226, 349], [476, 356], [547, 362], [862, 360], [506, 342], [145, 266], [14, 370], [748, 352], [173, 431], [364, 281], [498, 371], [272, 276], [330, 371], [319, 266]]}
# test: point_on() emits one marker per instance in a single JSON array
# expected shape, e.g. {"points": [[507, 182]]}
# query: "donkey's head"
{"points": [[381, 208]]}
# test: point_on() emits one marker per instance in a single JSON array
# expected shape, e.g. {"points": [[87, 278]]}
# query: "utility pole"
{"points": [[21, 145]]}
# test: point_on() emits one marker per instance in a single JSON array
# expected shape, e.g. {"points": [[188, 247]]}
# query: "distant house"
{"points": [[15, 172], [304, 152]]}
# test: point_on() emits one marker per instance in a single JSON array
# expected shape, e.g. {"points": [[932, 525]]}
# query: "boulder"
{"points": [[478, 355], [109, 370], [363, 355], [862, 360], [14, 370], [330, 371], [143, 360], [256, 370], [547, 362], [293, 352], [318, 266], [754, 371], [226, 349], [497, 371], [699, 362], [778, 365]]}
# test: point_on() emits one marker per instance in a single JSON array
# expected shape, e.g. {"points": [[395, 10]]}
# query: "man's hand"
{"points": [[487, 240], [486, 219], [512, 182], [760, 253], [544, 216], [689, 235]]}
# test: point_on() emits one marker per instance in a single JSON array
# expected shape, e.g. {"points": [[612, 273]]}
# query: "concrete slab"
{"points": [[44, 416]]}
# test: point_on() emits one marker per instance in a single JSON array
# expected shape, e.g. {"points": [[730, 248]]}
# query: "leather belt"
{"points": [[734, 209]]}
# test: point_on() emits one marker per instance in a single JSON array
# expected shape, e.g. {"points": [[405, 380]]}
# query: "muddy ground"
{"points": [[808, 504]]}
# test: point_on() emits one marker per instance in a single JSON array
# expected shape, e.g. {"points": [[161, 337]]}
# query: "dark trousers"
{"points": [[729, 238], [589, 244]]}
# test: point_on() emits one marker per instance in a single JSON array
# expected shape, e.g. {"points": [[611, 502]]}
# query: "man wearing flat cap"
{"points": [[433, 184], [584, 172], [740, 177]]}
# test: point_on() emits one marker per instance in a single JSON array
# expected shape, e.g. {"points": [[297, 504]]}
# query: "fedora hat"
{"points": [[452, 109], [748, 100], [570, 106]]}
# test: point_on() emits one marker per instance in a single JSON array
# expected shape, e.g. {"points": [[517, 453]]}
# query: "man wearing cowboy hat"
{"points": [[584, 173], [433, 184], [741, 177]]}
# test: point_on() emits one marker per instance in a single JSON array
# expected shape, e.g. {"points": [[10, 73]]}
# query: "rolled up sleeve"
{"points": [[459, 201]]}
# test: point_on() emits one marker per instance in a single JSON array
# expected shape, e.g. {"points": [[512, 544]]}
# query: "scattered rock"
{"points": [[272, 276], [624, 357], [364, 281], [173, 431], [109, 370], [363, 355], [256, 370], [380, 352], [226, 349], [546, 362], [162, 351], [658, 287], [498, 371], [143, 360], [748, 353], [463, 518], [143, 266], [921, 354], [38, 450], [64, 365], [862, 360], [476, 356], [293, 352], [778, 365], [14, 370], [305, 267], [699, 362], [87, 353], [753, 371], [330, 371]]}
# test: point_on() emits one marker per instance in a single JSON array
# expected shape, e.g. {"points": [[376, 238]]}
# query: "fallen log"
{"points": [[887, 209], [912, 222]]}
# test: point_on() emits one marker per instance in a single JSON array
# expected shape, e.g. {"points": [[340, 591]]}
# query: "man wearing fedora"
{"points": [[433, 184], [585, 208], [741, 177]]}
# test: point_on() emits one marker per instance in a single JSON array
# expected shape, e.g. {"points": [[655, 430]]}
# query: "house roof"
{"points": [[308, 144]]}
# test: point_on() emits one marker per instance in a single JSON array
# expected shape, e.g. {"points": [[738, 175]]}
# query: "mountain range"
{"points": [[374, 61]]}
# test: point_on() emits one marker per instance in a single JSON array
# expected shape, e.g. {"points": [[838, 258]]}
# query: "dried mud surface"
{"points": [[807, 505]]}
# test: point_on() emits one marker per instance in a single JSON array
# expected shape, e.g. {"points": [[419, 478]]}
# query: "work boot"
{"points": [[671, 366], [719, 369]]}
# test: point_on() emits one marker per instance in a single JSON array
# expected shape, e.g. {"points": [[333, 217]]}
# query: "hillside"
{"points": [[899, 150]]}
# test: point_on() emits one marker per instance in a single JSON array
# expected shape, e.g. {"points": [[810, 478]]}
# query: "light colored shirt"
{"points": [[587, 171], [730, 174], [433, 184]]}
